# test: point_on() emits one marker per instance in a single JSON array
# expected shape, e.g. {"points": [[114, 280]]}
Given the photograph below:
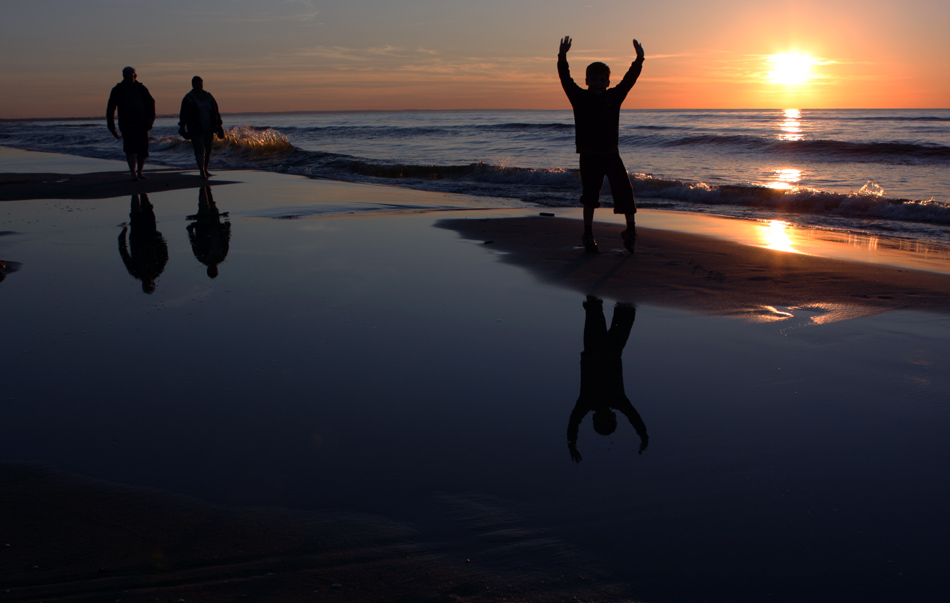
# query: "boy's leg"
{"points": [[624, 200], [592, 179], [620, 325], [595, 324], [620, 187]]}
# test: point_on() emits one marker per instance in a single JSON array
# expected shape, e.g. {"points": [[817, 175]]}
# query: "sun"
{"points": [[790, 69]]}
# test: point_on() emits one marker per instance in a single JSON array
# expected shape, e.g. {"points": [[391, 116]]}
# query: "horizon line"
{"points": [[329, 111]]}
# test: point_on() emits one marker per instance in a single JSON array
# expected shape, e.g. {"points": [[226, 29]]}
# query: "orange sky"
{"points": [[61, 58]]}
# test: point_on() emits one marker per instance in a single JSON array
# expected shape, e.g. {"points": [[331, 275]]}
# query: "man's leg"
{"points": [[198, 147], [207, 160], [130, 157]]}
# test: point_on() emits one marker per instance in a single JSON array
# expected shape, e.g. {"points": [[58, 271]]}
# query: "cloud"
{"points": [[277, 11]]}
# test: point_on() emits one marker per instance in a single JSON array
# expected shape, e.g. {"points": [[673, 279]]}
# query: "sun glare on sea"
{"points": [[791, 126], [790, 69], [775, 235]]}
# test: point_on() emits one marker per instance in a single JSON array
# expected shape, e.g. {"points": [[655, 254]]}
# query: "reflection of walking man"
{"points": [[602, 389], [149, 253], [198, 121], [210, 238], [136, 109]]}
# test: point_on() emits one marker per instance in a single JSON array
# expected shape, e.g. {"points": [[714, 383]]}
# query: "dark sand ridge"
{"points": [[700, 273], [67, 538], [98, 185]]}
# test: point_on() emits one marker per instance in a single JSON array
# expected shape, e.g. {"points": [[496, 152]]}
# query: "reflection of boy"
{"points": [[602, 375], [596, 126]]}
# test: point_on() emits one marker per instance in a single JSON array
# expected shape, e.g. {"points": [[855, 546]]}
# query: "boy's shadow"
{"points": [[602, 390]]}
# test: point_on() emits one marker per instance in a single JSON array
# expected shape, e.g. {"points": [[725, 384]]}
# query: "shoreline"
{"points": [[96, 185], [705, 274]]}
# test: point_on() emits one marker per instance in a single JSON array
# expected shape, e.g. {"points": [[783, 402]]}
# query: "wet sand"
{"points": [[72, 538], [701, 273], [67, 538], [99, 185]]}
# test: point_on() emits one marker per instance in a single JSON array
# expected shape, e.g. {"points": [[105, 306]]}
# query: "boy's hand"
{"points": [[565, 45], [639, 49]]}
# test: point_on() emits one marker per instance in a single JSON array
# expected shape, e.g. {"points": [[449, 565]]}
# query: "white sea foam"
{"points": [[841, 167]]}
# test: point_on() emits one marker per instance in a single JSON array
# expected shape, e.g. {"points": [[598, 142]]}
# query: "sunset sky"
{"points": [[59, 58]]}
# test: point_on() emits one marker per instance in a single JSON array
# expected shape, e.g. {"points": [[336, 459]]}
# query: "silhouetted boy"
{"points": [[596, 127], [602, 389]]}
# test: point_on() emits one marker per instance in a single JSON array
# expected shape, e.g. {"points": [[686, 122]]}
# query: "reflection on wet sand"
{"points": [[602, 390], [146, 254], [7, 267], [710, 274], [210, 238]]}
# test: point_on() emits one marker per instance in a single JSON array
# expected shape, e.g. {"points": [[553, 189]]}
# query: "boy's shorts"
{"points": [[596, 166]]}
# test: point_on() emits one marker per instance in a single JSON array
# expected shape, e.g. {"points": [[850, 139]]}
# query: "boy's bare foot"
{"points": [[140, 176], [629, 237], [590, 245]]}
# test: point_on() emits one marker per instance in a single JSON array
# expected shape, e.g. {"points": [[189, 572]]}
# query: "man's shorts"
{"points": [[202, 142], [135, 142]]}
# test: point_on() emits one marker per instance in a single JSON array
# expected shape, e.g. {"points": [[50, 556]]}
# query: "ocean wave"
{"points": [[717, 189], [526, 127], [869, 201], [894, 118], [899, 153]]}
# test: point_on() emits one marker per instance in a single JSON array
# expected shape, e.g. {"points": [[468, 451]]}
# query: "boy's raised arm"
{"points": [[638, 48], [565, 45]]}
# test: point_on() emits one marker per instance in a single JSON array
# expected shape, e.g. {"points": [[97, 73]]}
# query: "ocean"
{"points": [[872, 172]]}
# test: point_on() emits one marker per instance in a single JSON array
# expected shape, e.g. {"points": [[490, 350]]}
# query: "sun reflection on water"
{"points": [[791, 126], [775, 236], [786, 179]]}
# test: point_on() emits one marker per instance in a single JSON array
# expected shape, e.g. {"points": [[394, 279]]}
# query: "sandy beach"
{"points": [[368, 401]]}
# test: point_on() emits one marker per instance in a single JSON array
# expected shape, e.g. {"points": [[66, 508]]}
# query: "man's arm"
{"points": [[218, 123], [110, 114], [183, 119], [149, 107]]}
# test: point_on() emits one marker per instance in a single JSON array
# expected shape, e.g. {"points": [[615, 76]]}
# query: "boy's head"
{"points": [[598, 76], [605, 421]]}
